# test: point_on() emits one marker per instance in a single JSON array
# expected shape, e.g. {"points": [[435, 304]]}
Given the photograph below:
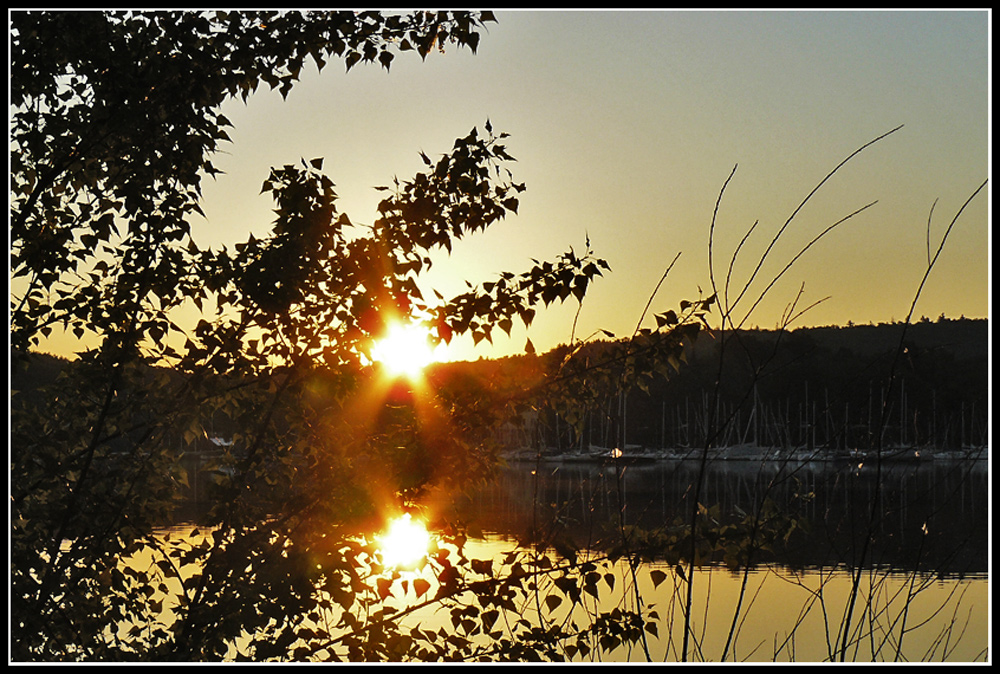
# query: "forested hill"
{"points": [[827, 383], [962, 338], [965, 340]]}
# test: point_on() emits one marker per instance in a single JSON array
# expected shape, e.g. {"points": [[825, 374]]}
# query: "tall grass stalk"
{"points": [[885, 411], [715, 428]]}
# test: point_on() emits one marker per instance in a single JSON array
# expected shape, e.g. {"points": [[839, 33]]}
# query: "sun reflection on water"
{"points": [[404, 543]]}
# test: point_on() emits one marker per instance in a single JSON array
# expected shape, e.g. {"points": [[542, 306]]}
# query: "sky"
{"points": [[626, 125]]}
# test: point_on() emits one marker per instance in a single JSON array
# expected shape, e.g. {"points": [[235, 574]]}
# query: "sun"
{"points": [[405, 542], [406, 350]]}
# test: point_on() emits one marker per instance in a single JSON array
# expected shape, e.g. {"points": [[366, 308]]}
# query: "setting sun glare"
{"points": [[406, 350], [405, 542]]}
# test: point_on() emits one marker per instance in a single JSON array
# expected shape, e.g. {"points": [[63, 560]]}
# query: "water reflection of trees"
{"points": [[933, 516]]}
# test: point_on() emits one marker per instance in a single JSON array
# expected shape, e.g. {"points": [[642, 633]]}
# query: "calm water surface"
{"points": [[924, 580], [928, 516], [928, 555]]}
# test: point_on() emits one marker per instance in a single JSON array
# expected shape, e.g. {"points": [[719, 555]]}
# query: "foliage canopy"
{"points": [[115, 121]]}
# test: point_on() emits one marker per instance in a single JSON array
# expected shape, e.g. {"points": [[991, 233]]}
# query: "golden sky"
{"points": [[625, 126]]}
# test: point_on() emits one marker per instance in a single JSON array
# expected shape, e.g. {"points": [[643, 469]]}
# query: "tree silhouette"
{"points": [[115, 119]]}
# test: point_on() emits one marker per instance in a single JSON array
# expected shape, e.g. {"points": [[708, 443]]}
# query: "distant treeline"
{"points": [[810, 387]]}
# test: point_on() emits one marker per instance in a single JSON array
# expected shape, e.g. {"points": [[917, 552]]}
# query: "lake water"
{"points": [[923, 592], [930, 516], [928, 559]]}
